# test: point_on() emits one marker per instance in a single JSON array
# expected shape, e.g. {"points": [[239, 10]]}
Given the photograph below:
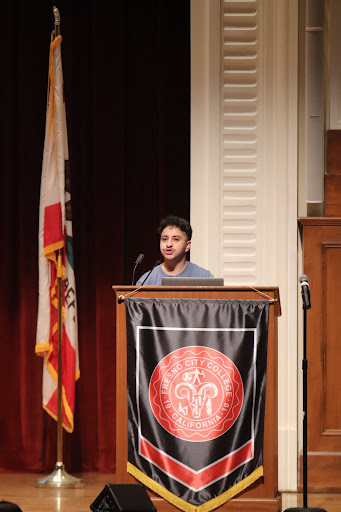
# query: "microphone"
{"points": [[137, 262], [305, 291], [158, 262]]}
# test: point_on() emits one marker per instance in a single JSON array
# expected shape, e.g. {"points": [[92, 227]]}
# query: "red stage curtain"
{"points": [[127, 86]]}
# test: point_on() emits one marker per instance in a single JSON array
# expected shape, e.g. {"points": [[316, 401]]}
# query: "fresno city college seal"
{"points": [[196, 393]]}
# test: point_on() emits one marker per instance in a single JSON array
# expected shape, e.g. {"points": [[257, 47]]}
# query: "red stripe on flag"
{"points": [[68, 381], [69, 371], [53, 231], [196, 479]]}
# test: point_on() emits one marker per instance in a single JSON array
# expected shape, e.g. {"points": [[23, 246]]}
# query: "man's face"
{"points": [[174, 243]]}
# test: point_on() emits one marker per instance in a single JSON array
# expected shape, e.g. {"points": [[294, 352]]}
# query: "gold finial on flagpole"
{"points": [[56, 21]]}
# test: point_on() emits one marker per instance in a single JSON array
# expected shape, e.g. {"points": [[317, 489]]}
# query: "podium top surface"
{"points": [[217, 292]]}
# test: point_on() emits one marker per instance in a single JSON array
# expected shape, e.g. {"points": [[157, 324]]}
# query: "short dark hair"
{"points": [[178, 222]]}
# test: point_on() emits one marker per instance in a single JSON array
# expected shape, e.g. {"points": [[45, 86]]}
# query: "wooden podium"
{"points": [[263, 495]]}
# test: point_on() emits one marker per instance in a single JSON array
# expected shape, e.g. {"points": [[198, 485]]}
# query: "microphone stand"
{"points": [[150, 271], [120, 299], [137, 262], [305, 508]]}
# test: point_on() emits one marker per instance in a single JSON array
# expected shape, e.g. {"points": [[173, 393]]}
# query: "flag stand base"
{"points": [[60, 479]]}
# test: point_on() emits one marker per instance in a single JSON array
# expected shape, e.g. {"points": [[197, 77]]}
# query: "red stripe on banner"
{"points": [[196, 479], [53, 231]]}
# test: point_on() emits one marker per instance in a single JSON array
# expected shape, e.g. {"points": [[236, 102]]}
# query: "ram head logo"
{"points": [[196, 397]]}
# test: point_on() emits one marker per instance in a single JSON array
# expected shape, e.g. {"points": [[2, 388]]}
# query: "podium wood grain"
{"points": [[19, 488]]}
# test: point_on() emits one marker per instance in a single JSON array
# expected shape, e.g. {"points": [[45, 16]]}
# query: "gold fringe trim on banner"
{"points": [[187, 507], [159, 489], [228, 495]]}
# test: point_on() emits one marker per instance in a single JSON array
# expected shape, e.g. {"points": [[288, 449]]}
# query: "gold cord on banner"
{"points": [[121, 298], [271, 299]]}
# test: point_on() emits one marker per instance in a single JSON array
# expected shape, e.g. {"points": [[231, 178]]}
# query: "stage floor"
{"points": [[20, 488]]}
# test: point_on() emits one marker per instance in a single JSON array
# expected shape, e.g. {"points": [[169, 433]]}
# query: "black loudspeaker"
{"points": [[123, 498], [7, 506]]}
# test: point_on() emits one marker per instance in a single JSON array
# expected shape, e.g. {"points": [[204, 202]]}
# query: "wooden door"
{"points": [[322, 265]]}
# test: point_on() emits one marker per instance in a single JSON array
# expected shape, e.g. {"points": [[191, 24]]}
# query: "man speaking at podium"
{"points": [[175, 242]]}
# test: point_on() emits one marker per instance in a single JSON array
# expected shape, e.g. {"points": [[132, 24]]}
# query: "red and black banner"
{"points": [[196, 397]]}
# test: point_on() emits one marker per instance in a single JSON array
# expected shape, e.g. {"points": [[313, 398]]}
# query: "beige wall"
{"points": [[244, 167]]}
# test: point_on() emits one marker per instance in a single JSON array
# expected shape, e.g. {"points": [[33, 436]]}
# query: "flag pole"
{"points": [[59, 478]]}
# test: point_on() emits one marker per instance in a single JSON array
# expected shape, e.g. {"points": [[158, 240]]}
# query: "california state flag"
{"points": [[56, 272]]}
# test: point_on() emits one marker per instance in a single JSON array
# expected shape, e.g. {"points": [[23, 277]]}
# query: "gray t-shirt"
{"points": [[191, 270]]}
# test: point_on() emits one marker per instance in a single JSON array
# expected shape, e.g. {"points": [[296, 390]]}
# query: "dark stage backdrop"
{"points": [[127, 85]]}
